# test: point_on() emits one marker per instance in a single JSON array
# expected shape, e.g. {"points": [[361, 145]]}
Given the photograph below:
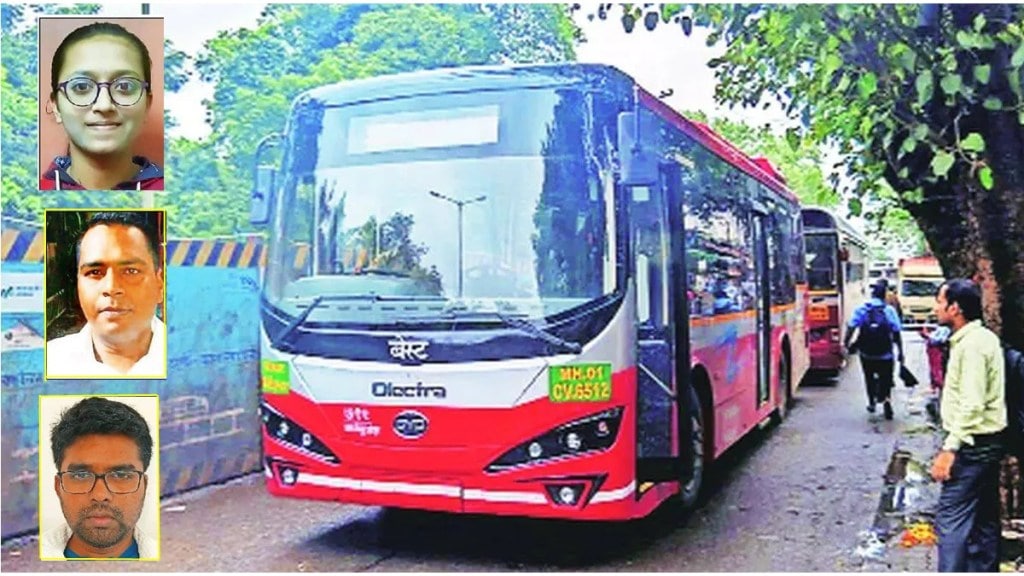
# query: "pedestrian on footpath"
{"points": [[973, 416], [878, 327], [892, 298], [937, 350]]}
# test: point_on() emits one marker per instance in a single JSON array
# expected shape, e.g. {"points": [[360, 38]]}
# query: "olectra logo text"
{"points": [[418, 390]]}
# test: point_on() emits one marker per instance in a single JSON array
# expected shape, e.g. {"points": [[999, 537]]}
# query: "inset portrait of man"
{"points": [[105, 294], [99, 477], [101, 103]]}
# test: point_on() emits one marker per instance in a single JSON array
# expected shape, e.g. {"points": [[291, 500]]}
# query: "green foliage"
{"points": [[985, 177], [176, 72], [891, 229], [799, 160], [256, 74], [19, 84], [916, 89]]}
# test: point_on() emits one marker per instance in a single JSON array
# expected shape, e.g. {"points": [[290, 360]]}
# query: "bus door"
{"points": [[656, 241], [763, 303]]}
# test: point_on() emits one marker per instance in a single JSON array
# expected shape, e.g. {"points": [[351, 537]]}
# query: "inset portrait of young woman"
{"points": [[101, 129]]}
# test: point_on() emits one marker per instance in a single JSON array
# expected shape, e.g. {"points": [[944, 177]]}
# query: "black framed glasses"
{"points": [[124, 91], [83, 481]]}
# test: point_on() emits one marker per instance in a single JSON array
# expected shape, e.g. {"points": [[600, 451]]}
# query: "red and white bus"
{"points": [[836, 268], [532, 291]]}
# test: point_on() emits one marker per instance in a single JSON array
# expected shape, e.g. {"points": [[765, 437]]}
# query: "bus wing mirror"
{"points": [[638, 160], [262, 195]]}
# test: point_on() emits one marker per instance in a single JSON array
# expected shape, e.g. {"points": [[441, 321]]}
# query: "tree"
{"points": [[927, 99], [257, 73], [800, 161], [890, 228], [19, 83]]}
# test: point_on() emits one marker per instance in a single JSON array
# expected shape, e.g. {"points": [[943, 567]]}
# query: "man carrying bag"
{"points": [[877, 327]]}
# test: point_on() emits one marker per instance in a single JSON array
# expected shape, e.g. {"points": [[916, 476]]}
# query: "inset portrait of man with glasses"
{"points": [[99, 477], [101, 104]]}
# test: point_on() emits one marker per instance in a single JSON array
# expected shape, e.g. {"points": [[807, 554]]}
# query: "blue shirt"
{"points": [[860, 315], [131, 552]]}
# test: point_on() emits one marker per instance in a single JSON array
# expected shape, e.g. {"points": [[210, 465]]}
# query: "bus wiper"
{"points": [[297, 321], [314, 304], [532, 329]]}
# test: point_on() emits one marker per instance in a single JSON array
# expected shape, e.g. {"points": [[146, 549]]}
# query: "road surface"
{"points": [[789, 498]]}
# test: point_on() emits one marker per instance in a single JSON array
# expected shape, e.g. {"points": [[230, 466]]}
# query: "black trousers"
{"points": [[967, 520], [878, 377]]}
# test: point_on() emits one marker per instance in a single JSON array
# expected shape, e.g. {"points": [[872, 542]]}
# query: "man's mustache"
{"points": [[101, 509]]}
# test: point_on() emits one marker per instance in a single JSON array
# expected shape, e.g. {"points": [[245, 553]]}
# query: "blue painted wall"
{"points": [[208, 424]]}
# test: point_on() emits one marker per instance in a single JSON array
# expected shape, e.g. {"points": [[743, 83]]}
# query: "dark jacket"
{"points": [[56, 177]]}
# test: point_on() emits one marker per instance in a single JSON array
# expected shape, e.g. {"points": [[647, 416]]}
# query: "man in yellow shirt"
{"points": [[974, 418]]}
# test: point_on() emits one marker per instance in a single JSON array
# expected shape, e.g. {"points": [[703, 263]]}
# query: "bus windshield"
{"points": [[424, 208], [821, 261]]}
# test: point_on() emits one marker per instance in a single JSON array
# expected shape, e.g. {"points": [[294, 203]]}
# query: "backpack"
{"points": [[875, 339], [1014, 402]]}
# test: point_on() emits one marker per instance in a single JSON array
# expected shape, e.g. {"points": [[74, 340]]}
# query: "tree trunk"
{"points": [[977, 233]]}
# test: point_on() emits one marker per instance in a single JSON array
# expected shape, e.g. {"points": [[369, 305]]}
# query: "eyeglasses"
{"points": [[83, 481], [125, 91]]}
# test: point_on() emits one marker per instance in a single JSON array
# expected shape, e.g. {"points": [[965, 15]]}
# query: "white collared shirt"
{"points": [[72, 356], [54, 541]]}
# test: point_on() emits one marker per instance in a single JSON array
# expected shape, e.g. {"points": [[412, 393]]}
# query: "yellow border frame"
{"points": [[155, 467], [163, 249]]}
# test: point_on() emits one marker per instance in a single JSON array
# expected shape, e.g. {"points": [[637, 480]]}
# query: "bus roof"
{"points": [[818, 219], [506, 77], [466, 79]]}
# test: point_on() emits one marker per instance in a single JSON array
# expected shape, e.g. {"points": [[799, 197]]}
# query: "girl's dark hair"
{"points": [[91, 31], [965, 293], [97, 415]]}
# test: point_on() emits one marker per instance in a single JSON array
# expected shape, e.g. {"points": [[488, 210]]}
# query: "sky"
{"points": [[664, 59], [660, 60]]}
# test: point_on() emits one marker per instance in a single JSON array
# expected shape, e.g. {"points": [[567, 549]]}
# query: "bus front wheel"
{"points": [[690, 490]]}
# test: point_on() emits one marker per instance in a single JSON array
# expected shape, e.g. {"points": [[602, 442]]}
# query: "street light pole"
{"points": [[460, 204]]}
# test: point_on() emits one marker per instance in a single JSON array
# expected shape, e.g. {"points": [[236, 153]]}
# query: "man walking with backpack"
{"points": [[878, 328], [974, 418]]}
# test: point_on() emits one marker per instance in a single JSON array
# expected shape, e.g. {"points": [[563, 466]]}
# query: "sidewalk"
{"points": [[909, 496], [902, 534]]}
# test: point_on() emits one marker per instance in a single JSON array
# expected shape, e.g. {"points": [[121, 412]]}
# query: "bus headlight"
{"points": [[535, 450], [294, 436], [594, 433], [573, 441]]}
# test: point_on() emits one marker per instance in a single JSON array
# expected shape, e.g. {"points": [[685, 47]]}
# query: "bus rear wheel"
{"points": [[690, 491]]}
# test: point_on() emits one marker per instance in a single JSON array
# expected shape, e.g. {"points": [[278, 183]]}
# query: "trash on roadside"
{"points": [[15, 552], [914, 477], [175, 508], [918, 533], [870, 546]]}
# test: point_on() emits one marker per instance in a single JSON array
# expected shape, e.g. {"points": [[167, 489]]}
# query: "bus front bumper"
{"points": [[555, 491]]}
